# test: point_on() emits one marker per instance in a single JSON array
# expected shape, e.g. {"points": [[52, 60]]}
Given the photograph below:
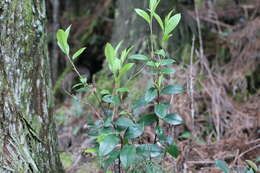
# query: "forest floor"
{"points": [[221, 112]]}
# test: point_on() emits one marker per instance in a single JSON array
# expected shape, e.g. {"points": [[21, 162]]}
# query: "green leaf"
{"points": [[83, 80], [111, 99], [111, 158], [159, 20], [185, 135], [149, 150], [161, 109], [148, 119], [139, 57], [124, 122], [143, 14], [122, 90], [118, 46], [172, 89], [161, 52], [110, 56], [127, 155], [172, 23], [83, 89], [252, 165], [67, 31], [139, 103], [78, 53], [125, 68], [62, 38], [150, 94], [222, 166], [134, 131], [168, 71], [108, 144], [91, 150], [173, 150], [153, 64], [166, 62], [153, 4], [103, 92], [173, 119]]}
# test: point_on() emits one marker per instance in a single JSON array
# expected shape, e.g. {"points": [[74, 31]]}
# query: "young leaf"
{"points": [[124, 122], [124, 69], [161, 52], [172, 23], [153, 4], [150, 94], [139, 57], [67, 31], [143, 14], [222, 166], [173, 150], [110, 55], [148, 119], [62, 38], [111, 99], [108, 144], [159, 20], [173, 119], [172, 89], [78, 53], [161, 109], [117, 47], [134, 131], [127, 155]]}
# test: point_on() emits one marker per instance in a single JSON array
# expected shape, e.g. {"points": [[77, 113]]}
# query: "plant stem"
{"points": [[74, 67]]}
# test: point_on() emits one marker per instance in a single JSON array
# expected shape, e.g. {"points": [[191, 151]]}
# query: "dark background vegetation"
{"points": [[221, 105]]}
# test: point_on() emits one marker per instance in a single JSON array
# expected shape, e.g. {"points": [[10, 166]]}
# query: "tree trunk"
{"points": [[28, 139]]}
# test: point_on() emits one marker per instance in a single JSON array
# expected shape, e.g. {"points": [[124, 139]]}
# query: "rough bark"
{"points": [[28, 139]]}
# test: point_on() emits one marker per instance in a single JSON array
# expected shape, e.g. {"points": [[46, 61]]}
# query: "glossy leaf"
{"points": [[111, 99], [149, 150], [134, 131], [143, 14], [161, 109], [173, 150], [173, 119], [150, 94], [148, 119], [111, 158], [172, 89], [127, 155], [124, 122], [108, 144]]}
